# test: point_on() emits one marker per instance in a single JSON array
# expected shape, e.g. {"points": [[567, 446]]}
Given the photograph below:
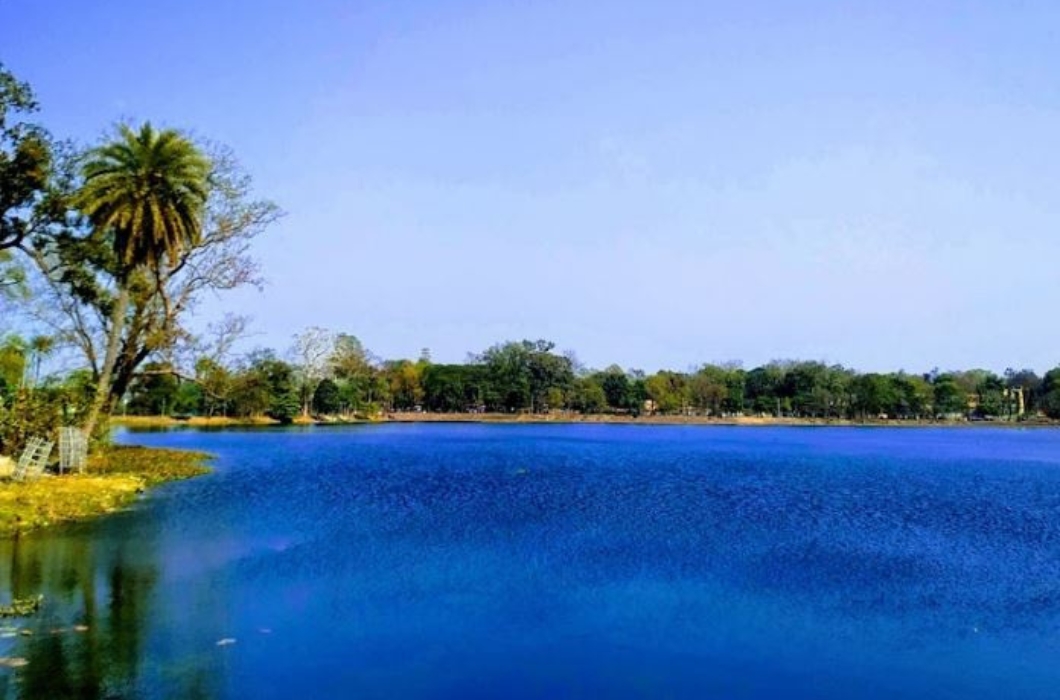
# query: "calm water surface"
{"points": [[476, 561]]}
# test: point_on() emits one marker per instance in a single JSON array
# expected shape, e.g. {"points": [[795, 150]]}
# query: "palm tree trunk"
{"points": [[117, 327]]}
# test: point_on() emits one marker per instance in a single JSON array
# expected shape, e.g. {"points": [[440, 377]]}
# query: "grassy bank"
{"points": [[115, 476], [197, 421]]}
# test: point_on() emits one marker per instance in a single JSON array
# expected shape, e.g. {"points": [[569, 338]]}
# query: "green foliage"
{"points": [[154, 392], [188, 400], [950, 397], [12, 279], [327, 399], [668, 391], [587, 395], [25, 161], [216, 384], [528, 376], [1051, 393], [404, 383], [13, 360], [265, 386], [145, 191], [522, 374], [616, 387], [284, 407], [874, 396], [763, 389], [454, 388], [25, 414]]}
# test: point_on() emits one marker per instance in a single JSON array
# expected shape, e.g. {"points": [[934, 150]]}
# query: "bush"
{"points": [[26, 414]]}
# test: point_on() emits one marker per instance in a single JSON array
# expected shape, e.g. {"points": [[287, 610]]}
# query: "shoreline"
{"points": [[113, 479], [149, 422], [703, 421]]}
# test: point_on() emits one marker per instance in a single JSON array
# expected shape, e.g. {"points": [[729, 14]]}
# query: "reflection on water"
{"points": [[87, 640], [559, 561]]}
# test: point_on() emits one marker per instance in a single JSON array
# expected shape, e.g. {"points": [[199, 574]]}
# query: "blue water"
{"points": [[478, 561]]}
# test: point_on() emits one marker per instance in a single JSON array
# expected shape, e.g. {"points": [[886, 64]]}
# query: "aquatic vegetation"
{"points": [[22, 607], [153, 465]]}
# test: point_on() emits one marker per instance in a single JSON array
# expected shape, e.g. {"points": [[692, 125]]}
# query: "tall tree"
{"points": [[25, 163], [144, 194], [77, 287], [25, 160], [311, 353]]}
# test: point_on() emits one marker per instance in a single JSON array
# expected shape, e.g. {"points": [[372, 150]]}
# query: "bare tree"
{"points": [[312, 351]]}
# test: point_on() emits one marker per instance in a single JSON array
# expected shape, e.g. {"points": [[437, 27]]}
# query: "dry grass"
{"points": [[115, 476], [198, 421]]}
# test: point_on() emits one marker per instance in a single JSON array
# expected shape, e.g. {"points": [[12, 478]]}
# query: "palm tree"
{"points": [[145, 191], [40, 346]]}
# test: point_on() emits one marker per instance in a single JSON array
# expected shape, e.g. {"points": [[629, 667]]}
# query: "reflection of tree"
{"points": [[48, 674], [89, 639], [130, 590], [26, 573]]}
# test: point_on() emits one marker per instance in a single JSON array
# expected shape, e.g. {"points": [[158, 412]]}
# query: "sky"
{"points": [[653, 184]]}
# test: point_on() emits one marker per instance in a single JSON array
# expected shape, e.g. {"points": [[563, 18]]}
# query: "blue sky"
{"points": [[652, 184]]}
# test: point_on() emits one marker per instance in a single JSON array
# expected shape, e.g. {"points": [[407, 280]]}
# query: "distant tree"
{"points": [[551, 376], [874, 395], [453, 388], [326, 398], [265, 385], [1027, 383], [915, 397], [522, 374], [217, 383], [1050, 401], [312, 352], [709, 389], [736, 383], [508, 368], [950, 397], [668, 391], [587, 395], [616, 388], [348, 359], [990, 395], [154, 393], [352, 367], [763, 387], [404, 384], [189, 399], [638, 391]]}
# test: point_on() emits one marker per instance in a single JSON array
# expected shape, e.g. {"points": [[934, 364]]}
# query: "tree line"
{"points": [[332, 374]]}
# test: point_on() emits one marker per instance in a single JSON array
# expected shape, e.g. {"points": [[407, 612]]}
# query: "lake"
{"points": [[560, 561]]}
